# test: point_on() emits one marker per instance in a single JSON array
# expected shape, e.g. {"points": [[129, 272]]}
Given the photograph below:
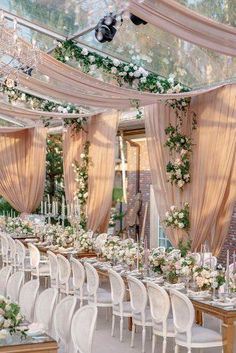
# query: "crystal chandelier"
{"points": [[15, 54]]}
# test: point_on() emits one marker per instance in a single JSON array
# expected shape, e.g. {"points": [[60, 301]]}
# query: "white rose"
{"points": [[84, 51], [91, 59], [143, 79], [67, 58], [170, 219], [181, 215], [180, 183], [137, 73], [172, 208], [116, 62], [126, 68], [82, 155], [181, 225]]}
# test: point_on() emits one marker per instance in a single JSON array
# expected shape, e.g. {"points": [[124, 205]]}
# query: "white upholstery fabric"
{"points": [[200, 335]]}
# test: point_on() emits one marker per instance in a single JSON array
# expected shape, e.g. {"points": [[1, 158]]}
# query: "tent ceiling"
{"points": [[148, 46]]}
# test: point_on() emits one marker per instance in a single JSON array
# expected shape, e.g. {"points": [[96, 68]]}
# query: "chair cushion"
{"points": [[126, 308], [43, 270], [148, 316], [201, 335], [158, 328]]}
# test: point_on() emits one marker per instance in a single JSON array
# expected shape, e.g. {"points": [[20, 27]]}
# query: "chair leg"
{"points": [[153, 342], [121, 329], [132, 336], [164, 345], [143, 338], [113, 325], [176, 348]]}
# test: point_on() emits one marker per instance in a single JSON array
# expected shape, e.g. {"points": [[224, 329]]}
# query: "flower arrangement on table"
{"points": [[84, 241], [205, 278], [178, 218], [10, 316], [19, 226], [157, 260], [125, 251]]}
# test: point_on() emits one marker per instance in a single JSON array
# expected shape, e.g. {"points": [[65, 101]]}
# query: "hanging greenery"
{"points": [[124, 73], [81, 171]]}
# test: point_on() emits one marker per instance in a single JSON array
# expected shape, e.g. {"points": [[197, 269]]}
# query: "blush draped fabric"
{"points": [[22, 167], [184, 23], [213, 187], [102, 129], [102, 136], [72, 148], [212, 191]]}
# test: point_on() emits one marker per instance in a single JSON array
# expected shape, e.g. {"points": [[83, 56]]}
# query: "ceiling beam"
{"points": [[41, 29]]}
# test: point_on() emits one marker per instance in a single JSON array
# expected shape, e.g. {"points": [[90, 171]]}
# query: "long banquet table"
{"points": [[14, 344], [227, 315]]}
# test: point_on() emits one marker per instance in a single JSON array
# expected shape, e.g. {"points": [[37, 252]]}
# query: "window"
{"points": [[157, 235]]}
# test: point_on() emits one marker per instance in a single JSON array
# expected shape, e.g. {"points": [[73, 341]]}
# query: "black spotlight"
{"points": [[105, 29], [137, 20]]}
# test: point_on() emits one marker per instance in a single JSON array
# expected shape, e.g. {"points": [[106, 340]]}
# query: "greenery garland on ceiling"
{"points": [[128, 74]]}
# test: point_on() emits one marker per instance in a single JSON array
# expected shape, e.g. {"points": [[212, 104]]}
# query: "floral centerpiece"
{"points": [[19, 226], [157, 260], [133, 252], [178, 218], [205, 278], [112, 249], [10, 316], [84, 241]]}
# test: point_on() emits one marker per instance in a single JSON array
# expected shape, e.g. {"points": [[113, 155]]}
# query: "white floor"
{"points": [[104, 343]]}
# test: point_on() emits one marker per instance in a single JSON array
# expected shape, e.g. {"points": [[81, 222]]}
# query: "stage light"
{"points": [[137, 20], [105, 29]]}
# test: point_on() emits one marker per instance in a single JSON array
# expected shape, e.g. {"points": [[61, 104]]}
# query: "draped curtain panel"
{"points": [[212, 191], [72, 148], [90, 91], [213, 187], [22, 167], [184, 23], [102, 136], [157, 118]]}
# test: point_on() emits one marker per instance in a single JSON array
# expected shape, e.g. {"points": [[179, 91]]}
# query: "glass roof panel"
{"points": [[155, 50], [219, 10], [163, 53], [63, 16]]}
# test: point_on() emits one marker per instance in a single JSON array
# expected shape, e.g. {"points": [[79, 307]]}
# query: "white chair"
{"points": [[160, 308], [27, 299], [78, 279], [197, 258], [14, 285], [64, 309], [12, 252], [64, 275], [161, 249], [210, 261], [82, 328], [100, 240], [38, 268], [188, 334], [120, 307], [53, 269], [44, 307], [4, 276], [175, 253], [97, 296], [4, 249], [22, 260], [140, 313]]}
